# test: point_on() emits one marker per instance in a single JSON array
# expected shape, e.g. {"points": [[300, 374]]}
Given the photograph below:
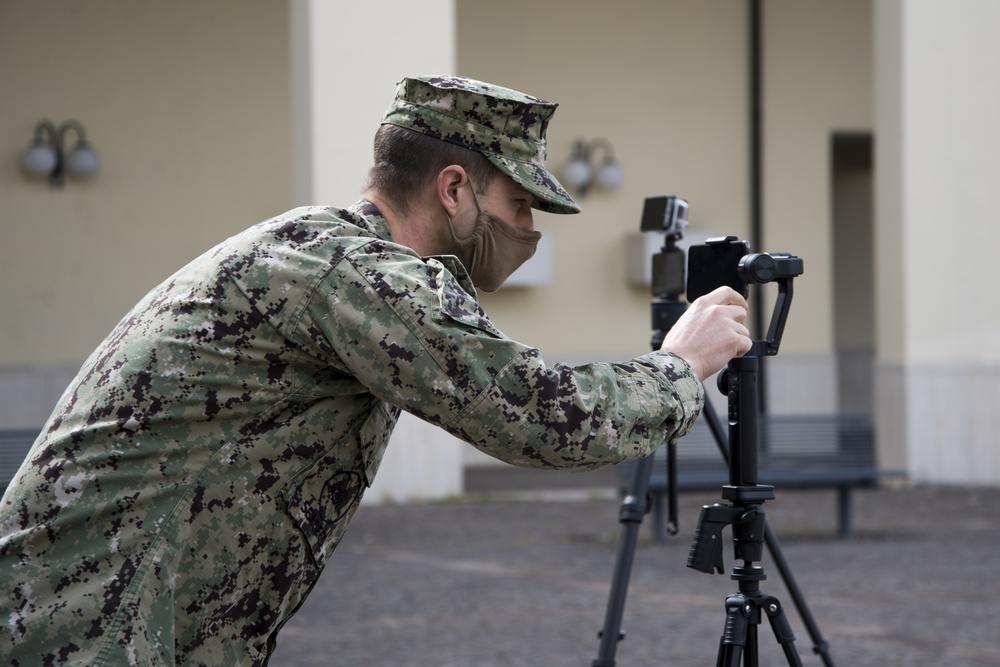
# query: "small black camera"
{"points": [[665, 214]]}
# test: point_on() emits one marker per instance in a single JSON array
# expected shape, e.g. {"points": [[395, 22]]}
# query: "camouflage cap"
{"points": [[506, 126]]}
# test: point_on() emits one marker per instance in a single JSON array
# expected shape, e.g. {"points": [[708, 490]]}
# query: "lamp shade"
{"points": [[39, 158], [82, 160], [577, 173], [609, 174]]}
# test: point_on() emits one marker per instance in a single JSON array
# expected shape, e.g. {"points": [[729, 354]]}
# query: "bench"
{"points": [[14, 446], [794, 452]]}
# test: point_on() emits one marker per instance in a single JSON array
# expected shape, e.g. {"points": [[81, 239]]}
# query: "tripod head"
{"points": [[727, 261]]}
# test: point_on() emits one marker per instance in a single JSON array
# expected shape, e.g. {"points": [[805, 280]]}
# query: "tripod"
{"points": [[745, 511]]}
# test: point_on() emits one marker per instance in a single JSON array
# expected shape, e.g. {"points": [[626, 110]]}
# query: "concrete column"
{"points": [[938, 313], [346, 60]]}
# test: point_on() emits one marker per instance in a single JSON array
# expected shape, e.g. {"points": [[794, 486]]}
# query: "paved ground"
{"points": [[496, 581]]}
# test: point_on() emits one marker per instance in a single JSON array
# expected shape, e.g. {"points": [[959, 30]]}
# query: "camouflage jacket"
{"points": [[197, 474]]}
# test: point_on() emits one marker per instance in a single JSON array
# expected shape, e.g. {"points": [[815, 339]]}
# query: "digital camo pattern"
{"points": [[198, 473], [506, 126]]}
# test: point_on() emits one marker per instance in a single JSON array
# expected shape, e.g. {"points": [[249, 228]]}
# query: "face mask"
{"points": [[494, 250]]}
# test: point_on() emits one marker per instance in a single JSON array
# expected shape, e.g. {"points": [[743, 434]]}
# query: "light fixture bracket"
{"points": [[46, 155], [580, 172]]}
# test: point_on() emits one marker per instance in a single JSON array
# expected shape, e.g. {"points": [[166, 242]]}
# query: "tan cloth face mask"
{"points": [[494, 250]]}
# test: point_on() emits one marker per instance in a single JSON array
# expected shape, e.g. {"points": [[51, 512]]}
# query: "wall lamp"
{"points": [[580, 173], [46, 157]]}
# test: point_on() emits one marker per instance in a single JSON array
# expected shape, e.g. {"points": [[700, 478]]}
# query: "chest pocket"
{"points": [[322, 500]]}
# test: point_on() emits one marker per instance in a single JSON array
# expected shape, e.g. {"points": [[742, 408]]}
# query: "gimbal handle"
{"points": [[765, 267]]}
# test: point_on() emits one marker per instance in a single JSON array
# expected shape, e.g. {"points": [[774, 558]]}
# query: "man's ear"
{"points": [[450, 184]]}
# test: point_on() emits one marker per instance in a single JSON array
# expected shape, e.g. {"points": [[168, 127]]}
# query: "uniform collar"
{"points": [[371, 215], [377, 223]]}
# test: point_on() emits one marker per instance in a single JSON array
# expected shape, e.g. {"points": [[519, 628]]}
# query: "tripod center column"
{"points": [[743, 408]]}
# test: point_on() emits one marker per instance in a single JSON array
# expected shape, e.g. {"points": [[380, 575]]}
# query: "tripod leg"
{"points": [[782, 630], [660, 526], [636, 504], [734, 637], [820, 646]]}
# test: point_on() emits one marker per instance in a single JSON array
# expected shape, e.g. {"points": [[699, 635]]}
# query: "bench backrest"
{"points": [[14, 446], [820, 449]]}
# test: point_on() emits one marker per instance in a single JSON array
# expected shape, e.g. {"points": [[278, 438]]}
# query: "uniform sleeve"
{"points": [[410, 334]]}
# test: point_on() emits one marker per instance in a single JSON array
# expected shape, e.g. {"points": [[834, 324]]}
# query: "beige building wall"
{"points": [[186, 104], [341, 86], [667, 83], [817, 82], [209, 116], [937, 67]]}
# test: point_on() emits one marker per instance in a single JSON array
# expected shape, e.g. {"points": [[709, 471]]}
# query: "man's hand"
{"points": [[711, 332]]}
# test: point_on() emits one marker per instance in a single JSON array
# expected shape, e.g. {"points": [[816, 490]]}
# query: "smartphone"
{"points": [[714, 264]]}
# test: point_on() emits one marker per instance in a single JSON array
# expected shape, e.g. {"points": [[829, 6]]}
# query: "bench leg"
{"points": [[844, 510]]}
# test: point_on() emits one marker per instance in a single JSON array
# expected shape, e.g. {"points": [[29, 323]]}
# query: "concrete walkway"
{"points": [[523, 581]]}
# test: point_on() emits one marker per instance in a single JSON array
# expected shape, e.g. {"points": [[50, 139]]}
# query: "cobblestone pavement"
{"points": [[495, 581]]}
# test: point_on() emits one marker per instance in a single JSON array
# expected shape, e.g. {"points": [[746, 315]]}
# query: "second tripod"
{"points": [[723, 261]]}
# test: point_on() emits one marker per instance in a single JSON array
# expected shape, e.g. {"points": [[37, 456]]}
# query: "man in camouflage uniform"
{"points": [[194, 479]]}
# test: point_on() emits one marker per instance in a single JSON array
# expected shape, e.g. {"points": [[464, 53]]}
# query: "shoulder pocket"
{"points": [[456, 303]]}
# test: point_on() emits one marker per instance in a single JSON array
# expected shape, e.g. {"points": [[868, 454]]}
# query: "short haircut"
{"points": [[406, 162]]}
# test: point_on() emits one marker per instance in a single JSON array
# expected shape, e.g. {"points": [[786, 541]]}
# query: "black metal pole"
{"points": [[756, 131]]}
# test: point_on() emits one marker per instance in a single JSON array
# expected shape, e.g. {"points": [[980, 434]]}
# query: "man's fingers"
{"points": [[711, 332], [745, 343], [726, 296], [737, 313]]}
